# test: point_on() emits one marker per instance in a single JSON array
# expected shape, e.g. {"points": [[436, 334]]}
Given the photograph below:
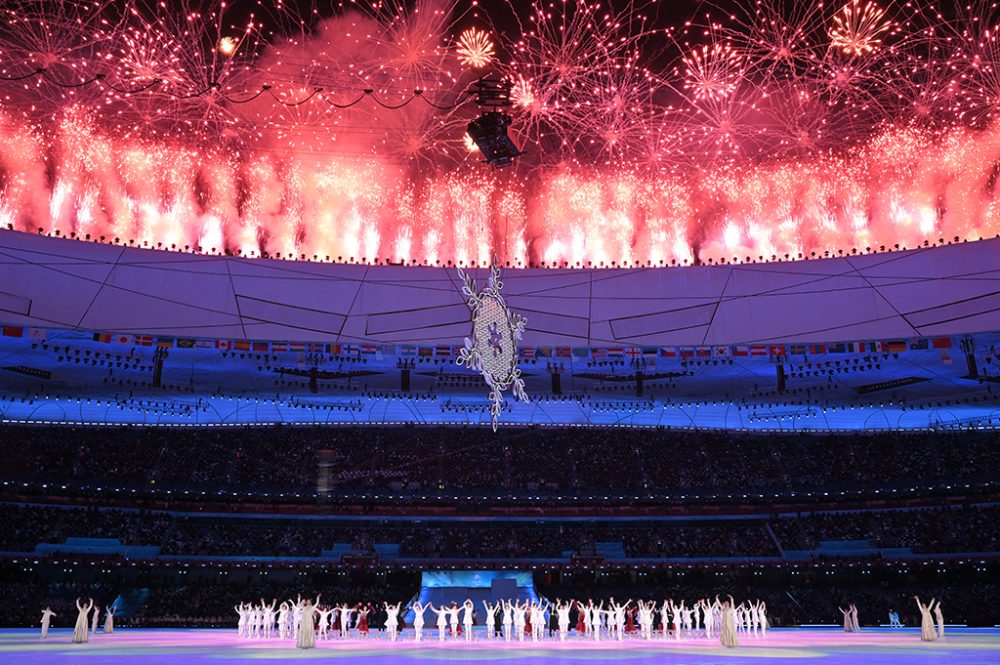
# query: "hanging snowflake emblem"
{"points": [[492, 350]]}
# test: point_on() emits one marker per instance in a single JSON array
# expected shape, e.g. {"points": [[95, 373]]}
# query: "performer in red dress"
{"points": [[363, 620], [580, 627]]}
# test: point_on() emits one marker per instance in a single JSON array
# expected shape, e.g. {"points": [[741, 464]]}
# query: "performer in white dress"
{"points": [[392, 620], [418, 620], [507, 620], [940, 620], [307, 630], [47, 615], [927, 631], [562, 611], [854, 618], [442, 619], [268, 617], [519, 612], [345, 620], [93, 619], [80, 634], [324, 614], [848, 619], [491, 619], [109, 621], [283, 623], [467, 619], [728, 636]]}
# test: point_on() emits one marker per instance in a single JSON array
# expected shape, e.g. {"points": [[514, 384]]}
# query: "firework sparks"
{"points": [[475, 49], [858, 27], [779, 128]]}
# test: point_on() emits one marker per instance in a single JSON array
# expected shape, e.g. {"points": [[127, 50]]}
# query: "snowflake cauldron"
{"points": [[492, 350]]}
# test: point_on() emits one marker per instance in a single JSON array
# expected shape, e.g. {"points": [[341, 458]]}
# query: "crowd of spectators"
{"points": [[928, 530], [516, 461], [941, 530]]}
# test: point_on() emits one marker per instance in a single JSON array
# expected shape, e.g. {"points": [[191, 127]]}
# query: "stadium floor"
{"points": [[221, 647]]}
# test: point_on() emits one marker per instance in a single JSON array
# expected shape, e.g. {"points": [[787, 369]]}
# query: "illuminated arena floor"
{"points": [[219, 647]]}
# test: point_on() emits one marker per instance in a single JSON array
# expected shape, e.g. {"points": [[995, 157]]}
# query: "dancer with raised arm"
{"points": [[519, 619], [939, 617], [93, 619], [80, 634], [109, 620], [728, 636], [507, 620], [927, 631], [848, 619], [307, 631], [562, 611], [418, 620], [854, 618], [392, 620], [47, 615], [442, 620], [491, 619], [283, 621], [468, 610]]}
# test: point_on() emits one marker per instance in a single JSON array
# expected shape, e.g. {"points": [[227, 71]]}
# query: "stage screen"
{"points": [[473, 579]]}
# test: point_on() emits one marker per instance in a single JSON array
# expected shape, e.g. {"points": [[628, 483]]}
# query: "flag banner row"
{"points": [[643, 354]]}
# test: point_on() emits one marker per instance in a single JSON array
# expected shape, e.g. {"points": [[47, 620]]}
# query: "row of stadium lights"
{"points": [[796, 568], [977, 425], [487, 497], [145, 244]]}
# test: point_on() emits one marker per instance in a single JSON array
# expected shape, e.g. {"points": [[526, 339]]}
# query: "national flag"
{"points": [[203, 344], [703, 352], [616, 352], [425, 352], [837, 347], [297, 347], [581, 352], [797, 349], [241, 345], [563, 352], [165, 342], [350, 349], [13, 331], [407, 351], [36, 333], [143, 340], [778, 350], [856, 347], [896, 345], [544, 352], [721, 351], [686, 352], [919, 344], [104, 338], [526, 353], [741, 350], [257, 346], [442, 350], [633, 353], [223, 344], [649, 352], [941, 342], [386, 350], [668, 352], [817, 349], [117, 339], [758, 350], [279, 347], [316, 347], [599, 353], [371, 349], [185, 343]]}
